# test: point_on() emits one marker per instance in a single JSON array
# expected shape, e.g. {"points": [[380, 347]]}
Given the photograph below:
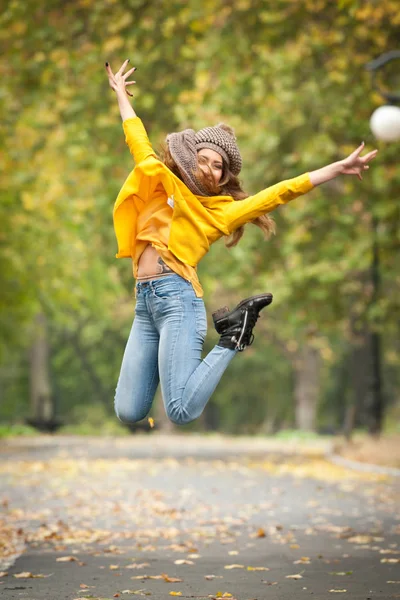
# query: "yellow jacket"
{"points": [[195, 221]]}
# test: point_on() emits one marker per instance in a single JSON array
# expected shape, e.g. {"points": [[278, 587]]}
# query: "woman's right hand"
{"points": [[118, 81]]}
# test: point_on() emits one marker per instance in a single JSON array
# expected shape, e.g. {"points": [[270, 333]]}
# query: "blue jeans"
{"points": [[165, 346]]}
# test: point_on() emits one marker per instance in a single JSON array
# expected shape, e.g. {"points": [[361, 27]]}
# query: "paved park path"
{"points": [[192, 517]]}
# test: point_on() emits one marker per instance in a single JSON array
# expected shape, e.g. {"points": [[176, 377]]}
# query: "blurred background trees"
{"points": [[290, 78]]}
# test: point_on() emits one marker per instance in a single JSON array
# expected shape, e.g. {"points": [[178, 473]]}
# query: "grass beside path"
{"points": [[174, 444], [383, 451]]}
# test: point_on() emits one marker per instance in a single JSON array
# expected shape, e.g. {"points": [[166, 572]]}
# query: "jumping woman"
{"points": [[167, 214]]}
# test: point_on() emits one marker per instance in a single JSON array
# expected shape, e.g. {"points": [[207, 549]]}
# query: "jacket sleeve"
{"points": [[240, 212], [137, 139]]}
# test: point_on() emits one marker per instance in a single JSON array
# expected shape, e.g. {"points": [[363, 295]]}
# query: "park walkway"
{"points": [[192, 517]]}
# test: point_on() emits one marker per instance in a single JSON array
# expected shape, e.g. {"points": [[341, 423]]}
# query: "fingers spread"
{"points": [[370, 155], [108, 69], [358, 150], [129, 72], [123, 67]]}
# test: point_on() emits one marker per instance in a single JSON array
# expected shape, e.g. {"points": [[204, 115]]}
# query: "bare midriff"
{"points": [[151, 265]]}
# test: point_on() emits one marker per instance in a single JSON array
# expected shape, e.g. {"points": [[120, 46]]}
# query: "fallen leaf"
{"points": [[151, 422], [113, 567], [210, 577], [393, 582], [66, 559], [175, 593], [113, 549], [257, 569], [360, 539], [170, 579], [304, 560], [390, 560], [143, 577], [137, 565], [296, 576], [261, 533], [183, 561], [3, 573], [233, 552], [234, 567], [338, 591], [342, 573], [116, 596]]}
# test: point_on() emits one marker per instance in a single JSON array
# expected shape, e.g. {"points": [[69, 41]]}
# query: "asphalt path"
{"points": [[223, 518]]}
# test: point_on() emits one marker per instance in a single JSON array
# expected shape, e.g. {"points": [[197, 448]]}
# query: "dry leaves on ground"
{"points": [[29, 575]]}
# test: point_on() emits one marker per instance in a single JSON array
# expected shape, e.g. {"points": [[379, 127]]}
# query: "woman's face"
{"points": [[210, 162]]}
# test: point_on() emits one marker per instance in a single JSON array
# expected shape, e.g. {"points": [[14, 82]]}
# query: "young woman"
{"points": [[166, 215]]}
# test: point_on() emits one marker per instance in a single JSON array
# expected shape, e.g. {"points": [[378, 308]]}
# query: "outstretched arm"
{"points": [[352, 165], [239, 213], [119, 83]]}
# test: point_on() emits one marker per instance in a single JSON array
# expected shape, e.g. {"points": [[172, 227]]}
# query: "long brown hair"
{"points": [[229, 185]]}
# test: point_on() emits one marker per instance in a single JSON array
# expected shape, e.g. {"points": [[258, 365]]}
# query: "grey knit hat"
{"points": [[184, 146], [221, 138]]}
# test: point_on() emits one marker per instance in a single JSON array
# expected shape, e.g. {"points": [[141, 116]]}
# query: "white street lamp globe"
{"points": [[385, 123]]}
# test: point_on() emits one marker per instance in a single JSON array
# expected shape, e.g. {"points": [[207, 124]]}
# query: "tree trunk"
{"points": [[42, 405], [306, 389], [377, 404], [359, 364]]}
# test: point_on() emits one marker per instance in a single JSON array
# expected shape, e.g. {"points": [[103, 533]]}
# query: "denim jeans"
{"points": [[165, 345]]}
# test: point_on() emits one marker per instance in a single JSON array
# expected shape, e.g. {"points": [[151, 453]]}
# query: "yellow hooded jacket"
{"points": [[154, 206]]}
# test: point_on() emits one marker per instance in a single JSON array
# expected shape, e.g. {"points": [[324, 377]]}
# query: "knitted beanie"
{"points": [[221, 138], [184, 146]]}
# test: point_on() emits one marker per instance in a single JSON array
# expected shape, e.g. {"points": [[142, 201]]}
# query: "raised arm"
{"points": [[135, 133], [119, 83]]}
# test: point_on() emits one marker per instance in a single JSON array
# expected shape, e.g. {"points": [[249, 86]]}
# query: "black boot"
{"points": [[236, 326]]}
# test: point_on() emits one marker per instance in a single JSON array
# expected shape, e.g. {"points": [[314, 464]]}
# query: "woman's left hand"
{"points": [[356, 164]]}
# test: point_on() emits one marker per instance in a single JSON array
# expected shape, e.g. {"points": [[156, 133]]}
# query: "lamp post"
{"points": [[385, 120], [385, 125]]}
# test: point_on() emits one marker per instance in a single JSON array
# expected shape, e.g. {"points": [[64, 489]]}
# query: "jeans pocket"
{"points": [[166, 289], [167, 293], [200, 317]]}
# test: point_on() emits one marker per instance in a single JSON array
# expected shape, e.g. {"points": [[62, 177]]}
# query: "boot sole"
{"points": [[268, 295]]}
